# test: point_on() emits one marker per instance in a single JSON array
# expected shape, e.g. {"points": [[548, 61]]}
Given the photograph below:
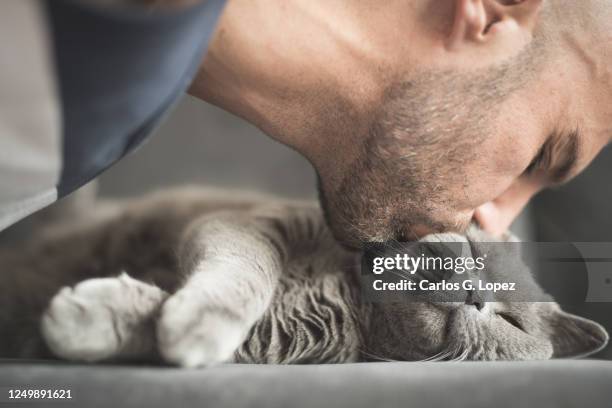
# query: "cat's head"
{"points": [[497, 328]]}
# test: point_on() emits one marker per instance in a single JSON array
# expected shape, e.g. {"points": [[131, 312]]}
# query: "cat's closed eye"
{"points": [[510, 319]]}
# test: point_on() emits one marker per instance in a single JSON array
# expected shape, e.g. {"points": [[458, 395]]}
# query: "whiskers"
{"points": [[448, 355], [441, 356], [460, 356], [445, 355], [377, 358]]}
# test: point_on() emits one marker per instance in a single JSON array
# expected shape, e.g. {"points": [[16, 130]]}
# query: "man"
{"points": [[418, 115]]}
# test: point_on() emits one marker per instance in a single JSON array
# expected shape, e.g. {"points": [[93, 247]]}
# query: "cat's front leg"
{"points": [[232, 264]]}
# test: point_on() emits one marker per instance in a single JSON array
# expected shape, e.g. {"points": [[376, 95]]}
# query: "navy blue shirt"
{"points": [[114, 72]]}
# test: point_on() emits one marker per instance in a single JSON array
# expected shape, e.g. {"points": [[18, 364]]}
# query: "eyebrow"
{"points": [[558, 156]]}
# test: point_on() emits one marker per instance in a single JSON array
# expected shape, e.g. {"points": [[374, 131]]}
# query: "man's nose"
{"points": [[497, 215]]}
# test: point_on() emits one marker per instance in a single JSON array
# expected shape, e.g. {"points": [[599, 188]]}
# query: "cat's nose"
{"points": [[473, 299]]}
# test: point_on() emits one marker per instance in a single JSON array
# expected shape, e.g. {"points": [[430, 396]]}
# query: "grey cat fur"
{"points": [[198, 276]]}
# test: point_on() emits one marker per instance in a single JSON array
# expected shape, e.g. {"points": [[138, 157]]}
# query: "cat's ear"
{"points": [[574, 337]]}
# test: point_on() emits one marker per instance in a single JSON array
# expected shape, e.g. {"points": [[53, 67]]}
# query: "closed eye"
{"points": [[557, 158], [511, 320]]}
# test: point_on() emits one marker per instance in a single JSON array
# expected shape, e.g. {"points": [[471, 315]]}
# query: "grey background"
{"points": [[580, 212], [199, 143]]}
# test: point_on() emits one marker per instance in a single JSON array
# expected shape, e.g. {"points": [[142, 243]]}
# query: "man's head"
{"points": [[426, 115]]}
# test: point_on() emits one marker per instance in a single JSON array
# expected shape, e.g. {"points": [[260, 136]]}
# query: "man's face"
{"points": [[485, 173], [452, 148]]}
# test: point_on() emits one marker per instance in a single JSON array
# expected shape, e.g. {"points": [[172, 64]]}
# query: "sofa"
{"points": [[550, 384]]}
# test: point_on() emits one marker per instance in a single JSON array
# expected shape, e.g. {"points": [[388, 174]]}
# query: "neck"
{"points": [[286, 67]]}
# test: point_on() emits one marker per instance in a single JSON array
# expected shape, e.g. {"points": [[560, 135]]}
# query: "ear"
{"points": [[480, 21], [574, 337]]}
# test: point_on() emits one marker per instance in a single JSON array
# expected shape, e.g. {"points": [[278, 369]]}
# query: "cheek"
{"points": [[430, 324]]}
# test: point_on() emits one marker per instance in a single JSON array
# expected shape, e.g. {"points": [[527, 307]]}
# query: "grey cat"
{"points": [[196, 277]]}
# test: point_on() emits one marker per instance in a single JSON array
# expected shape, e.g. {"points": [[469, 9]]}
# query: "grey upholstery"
{"points": [[551, 384]]}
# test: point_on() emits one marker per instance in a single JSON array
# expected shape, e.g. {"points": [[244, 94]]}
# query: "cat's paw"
{"points": [[192, 334], [99, 319]]}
